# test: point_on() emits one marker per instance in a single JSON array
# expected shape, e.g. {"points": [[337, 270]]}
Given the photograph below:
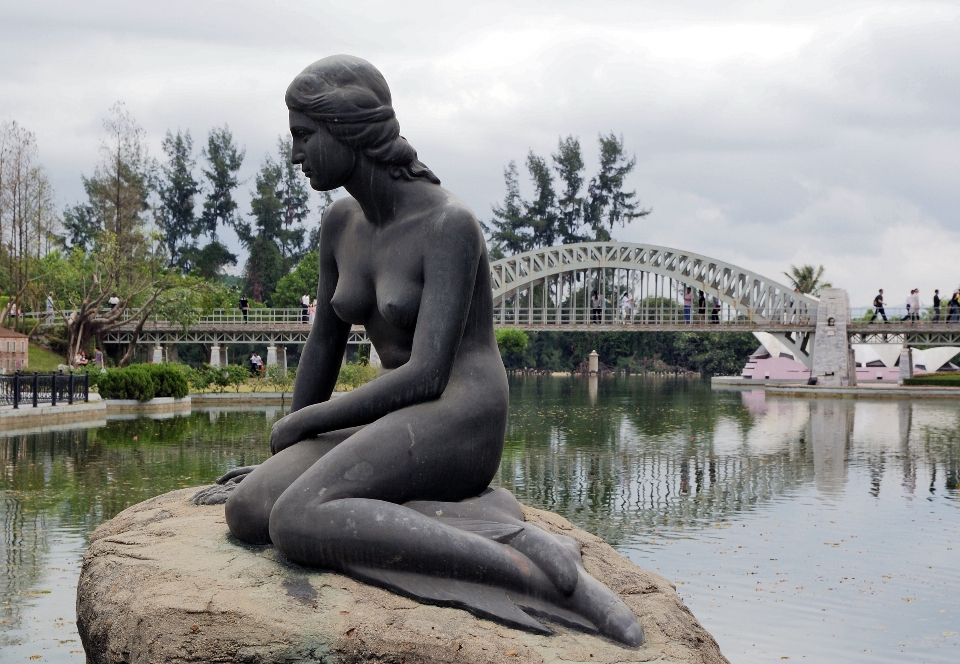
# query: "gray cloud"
{"points": [[765, 133]]}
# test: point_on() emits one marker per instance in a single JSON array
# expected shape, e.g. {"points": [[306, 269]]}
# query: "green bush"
{"points": [[353, 376], [171, 380], [511, 339], [935, 380], [133, 382], [143, 382]]}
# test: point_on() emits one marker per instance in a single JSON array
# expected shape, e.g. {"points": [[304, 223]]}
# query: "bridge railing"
{"points": [[213, 317], [660, 313], [900, 314]]}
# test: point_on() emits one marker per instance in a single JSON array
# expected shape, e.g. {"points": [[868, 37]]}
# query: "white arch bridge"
{"points": [[552, 289]]}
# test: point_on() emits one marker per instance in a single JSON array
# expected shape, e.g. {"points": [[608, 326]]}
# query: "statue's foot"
{"points": [[215, 494], [219, 492]]}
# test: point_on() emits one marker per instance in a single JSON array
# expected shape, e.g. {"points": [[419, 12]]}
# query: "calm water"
{"points": [[804, 529]]}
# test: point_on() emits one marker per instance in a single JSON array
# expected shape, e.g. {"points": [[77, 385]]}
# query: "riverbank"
{"points": [[868, 390], [98, 411]]}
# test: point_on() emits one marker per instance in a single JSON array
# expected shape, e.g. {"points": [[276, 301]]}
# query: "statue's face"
{"points": [[325, 161]]}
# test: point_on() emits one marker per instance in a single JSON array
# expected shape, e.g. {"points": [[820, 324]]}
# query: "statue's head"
{"points": [[350, 99]]}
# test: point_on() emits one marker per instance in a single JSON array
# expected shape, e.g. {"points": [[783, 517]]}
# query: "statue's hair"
{"points": [[350, 97]]}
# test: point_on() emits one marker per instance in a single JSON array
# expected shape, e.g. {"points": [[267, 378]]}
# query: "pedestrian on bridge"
{"points": [[244, 307], [936, 306], [626, 307], [702, 308], [878, 308], [304, 307], [715, 311], [953, 308], [596, 307], [687, 304]]}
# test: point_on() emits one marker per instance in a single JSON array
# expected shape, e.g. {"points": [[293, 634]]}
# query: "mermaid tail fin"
{"points": [[489, 602]]}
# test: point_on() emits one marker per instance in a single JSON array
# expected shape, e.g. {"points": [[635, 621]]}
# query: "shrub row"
{"points": [[143, 382], [935, 380]]}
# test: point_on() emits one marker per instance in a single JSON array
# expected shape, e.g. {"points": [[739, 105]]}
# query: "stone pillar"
{"points": [[158, 354], [271, 355], [282, 357], [852, 369], [214, 356], [224, 357], [906, 363], [593, 382], [594, 362], [374, 357], [831, 348]]}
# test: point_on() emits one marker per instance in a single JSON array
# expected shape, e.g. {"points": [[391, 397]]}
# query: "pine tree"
{"points": [[568, 163], [506, 229], [177, 188], [294, 195], [118, 193], [541, 212], [264, 268], [607, 203], [224, 160]]}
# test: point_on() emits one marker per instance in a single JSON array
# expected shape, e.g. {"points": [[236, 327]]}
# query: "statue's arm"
{"points": [[323, 351], [450, 270]]}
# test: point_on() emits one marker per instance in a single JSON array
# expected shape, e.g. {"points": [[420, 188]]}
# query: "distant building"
{"points": [[13, 350]]}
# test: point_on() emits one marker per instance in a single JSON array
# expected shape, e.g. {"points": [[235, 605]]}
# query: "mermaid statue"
{"points": [[389, 483]]}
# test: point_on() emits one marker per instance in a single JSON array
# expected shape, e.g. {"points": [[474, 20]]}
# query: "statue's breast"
{"points": [[398, 300]]}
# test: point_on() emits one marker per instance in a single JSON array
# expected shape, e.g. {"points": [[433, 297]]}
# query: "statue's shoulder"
{"points": [[458, 218], [338, 215]]}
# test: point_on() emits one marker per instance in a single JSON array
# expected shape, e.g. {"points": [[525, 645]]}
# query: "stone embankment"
{"points": [[164, 581]]}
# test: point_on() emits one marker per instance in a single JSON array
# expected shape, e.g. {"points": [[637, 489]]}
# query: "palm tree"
{"points": [[806, 279]]}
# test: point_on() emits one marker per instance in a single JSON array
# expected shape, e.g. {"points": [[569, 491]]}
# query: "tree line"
{"points": [[147, 234], [565, 207]]}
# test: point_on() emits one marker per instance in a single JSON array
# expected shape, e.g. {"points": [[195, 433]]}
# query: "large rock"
{"points": [[164, 581]]}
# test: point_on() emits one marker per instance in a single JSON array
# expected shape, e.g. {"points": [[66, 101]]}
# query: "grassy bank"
{"points": [[935, 380], [43, 360]]}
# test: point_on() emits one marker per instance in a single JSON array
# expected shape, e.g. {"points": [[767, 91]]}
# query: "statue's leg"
{"points": [[343, 514], [248, 507]]}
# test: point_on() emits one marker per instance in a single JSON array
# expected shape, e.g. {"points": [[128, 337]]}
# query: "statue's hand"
{"points": [[284, 434]]}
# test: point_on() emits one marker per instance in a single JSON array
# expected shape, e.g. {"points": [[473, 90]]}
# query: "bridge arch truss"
{"points": [[552, 287]]}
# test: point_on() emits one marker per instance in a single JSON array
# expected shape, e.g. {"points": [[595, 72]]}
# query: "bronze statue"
{"points": [[389, 483]]}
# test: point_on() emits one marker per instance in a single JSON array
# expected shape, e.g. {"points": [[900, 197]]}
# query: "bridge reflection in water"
{"points": [[625, 458], [678, 458]]}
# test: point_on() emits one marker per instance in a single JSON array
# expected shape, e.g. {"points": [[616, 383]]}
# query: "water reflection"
{"points": [[642, 455], [639, 462]]}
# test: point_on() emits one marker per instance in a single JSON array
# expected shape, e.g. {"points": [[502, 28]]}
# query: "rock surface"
{"points": [[164, 581]]}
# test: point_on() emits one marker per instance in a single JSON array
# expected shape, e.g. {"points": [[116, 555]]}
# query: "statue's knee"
{"points": [[246, 516]]}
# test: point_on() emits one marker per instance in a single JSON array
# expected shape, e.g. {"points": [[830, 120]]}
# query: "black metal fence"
{"points": [[53, 388]]}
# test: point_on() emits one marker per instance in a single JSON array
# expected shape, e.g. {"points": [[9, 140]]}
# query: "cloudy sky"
{"points": [[766, 133]]}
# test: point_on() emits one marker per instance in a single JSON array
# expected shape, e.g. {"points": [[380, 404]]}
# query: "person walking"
{"points": [[98, 358], [908, 303], [49, 308], [915, 305], [936, 306], [304, 306], [114, 301], [702, 308], [878, 308], [596, 307], [312, 311], [953, 308], [687, 304], [626, 308], [244, 307], [715, 311]]}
